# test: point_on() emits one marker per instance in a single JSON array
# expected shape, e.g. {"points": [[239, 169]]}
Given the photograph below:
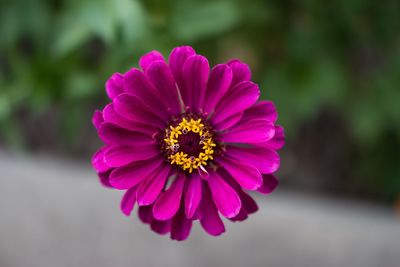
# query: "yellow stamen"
{"points": [[186, 162]]}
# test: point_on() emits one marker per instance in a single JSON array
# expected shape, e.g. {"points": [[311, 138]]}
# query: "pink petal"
{"points": [[242, 215], [269, 184], [248, 203], [181, 226], [161, 227], [120, 155], [228, 122], [145, 214], [167, 204], [250, 132], [241, 71], [114, 135], [151, 187], [248, 206], [160, 76], [177, 60], [128, 201], [193, 195], [218, 84], [246, 175], [114, 85], [149, 58], [135, 83], [237, 99], [210, 220], [97, 119], [264, 159], [264, 110], [195, 75], [132, 108], [110, 115], [104, 178], [278, 141], [133, 174], [98, 162], [225, 197]]}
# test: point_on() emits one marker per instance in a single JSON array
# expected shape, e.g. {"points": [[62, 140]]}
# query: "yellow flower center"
{"points": [[189, 144]]}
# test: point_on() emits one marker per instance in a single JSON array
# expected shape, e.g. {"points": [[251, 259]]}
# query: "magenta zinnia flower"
{"points": [[187, 142]]}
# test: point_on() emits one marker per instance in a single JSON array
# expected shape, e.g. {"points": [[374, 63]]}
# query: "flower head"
{"points": [[187, 142]]}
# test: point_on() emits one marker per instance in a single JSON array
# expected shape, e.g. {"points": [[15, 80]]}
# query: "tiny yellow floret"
{"points": [[185, 161]]}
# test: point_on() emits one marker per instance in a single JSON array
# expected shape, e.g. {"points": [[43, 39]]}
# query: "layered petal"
{"points": [[149, 58], [269, 184], [177, 60], [242, 215], [225, 197], [278, 141], [114, 85], [135, 83], [97, 119], [248, 203], [264, 159], [193, 195], [104, 178], [160, 77], [218, 84], [161, 227], [248, 206], [98, 162], [181, 226], [133, 109], [110, 115], [167, 204], [121, 155], [128, 201], [228, 122], [250, 132], [151, 187], [195, 76], [237, 99], [241, 71], [131, 175], [210, 220], [246, 175], [145, 214], [263, 110], [113, 135]]}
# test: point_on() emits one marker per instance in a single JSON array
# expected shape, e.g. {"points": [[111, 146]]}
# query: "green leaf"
{"points": [[80, 85], [5, 108], [198, 20], [132, 19], [83, 21]]}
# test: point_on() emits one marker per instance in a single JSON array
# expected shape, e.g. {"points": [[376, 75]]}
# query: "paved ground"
{"points": [[54, 213]]}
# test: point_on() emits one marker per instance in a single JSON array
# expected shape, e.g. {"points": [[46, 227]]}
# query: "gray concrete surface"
{"points": [[54, 213]]}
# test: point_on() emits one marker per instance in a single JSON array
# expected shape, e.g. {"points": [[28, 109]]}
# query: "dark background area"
{"points": [[333, 70]]}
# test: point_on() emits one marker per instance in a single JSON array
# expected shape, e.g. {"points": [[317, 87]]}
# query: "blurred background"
{"points": [[332, 68]]}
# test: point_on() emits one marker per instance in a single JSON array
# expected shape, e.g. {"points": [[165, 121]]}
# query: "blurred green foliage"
{"points": [[55, 57]]}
